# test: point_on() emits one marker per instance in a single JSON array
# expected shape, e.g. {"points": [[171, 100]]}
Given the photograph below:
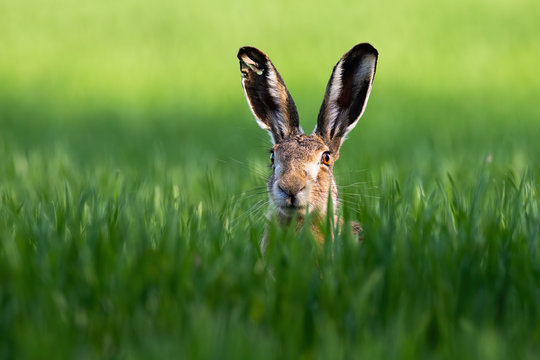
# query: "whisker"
{"points": [[251, 191], [241, 198], [256, 189], [257, 207], [257, 212], [351, 206], [360, 195], [256, 170], [357, 184], [345, 172]]}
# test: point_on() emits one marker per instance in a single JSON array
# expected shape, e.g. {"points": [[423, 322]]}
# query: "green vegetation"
{"points": [[132, 183]]}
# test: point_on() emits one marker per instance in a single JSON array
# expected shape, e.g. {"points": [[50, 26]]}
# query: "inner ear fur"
{"points": [[267, 95], [346, 94]]}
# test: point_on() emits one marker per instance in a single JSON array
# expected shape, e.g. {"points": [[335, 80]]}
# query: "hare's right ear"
{"points": [[267, 95]]}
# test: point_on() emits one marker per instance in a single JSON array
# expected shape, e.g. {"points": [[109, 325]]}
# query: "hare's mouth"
{"points": [[290, 202], [291, 210], [294, 207]]}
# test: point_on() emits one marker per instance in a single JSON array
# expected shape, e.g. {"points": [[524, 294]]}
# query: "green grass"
{"points": [[131, 178]]}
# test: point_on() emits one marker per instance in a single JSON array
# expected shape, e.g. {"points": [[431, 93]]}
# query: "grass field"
{"points": [[131, 171]]}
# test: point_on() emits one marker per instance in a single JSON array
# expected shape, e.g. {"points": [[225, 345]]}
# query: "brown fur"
{"points": [[301, 179], [298, 166]]}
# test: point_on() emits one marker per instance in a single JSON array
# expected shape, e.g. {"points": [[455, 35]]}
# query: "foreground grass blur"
{"points": [[131, 173], [123, 262]]}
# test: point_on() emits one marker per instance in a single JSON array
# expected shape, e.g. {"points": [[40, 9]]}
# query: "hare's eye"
{"points": [[272, 157], [326, 158]]}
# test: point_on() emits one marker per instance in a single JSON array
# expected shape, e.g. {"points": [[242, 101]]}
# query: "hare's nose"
{"points": [[291, 193]]}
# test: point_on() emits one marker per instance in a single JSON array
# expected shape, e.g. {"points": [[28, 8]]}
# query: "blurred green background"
{"points": [[458, 78], [130, 170]]}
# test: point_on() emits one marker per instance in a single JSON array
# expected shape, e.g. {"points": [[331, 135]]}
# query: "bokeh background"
{"points": [[132, 182], [101, 79]]}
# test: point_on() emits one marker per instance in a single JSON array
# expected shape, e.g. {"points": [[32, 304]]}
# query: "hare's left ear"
{"points": [[267, 95], [346, 94]]}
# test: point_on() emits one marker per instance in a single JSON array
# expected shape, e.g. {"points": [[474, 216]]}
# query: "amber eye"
{"points": [[272, 157], [326, 158]]}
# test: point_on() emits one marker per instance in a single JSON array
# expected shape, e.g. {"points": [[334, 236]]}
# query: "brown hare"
{"points": [[302, 165]]}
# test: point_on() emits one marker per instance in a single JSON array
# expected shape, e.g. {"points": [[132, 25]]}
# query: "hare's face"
{"points": [[302, 169], [301, 175]]}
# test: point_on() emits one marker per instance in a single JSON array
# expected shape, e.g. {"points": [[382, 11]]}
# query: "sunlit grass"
{"points": [[132, 180], [177, 52], [125, 261]]}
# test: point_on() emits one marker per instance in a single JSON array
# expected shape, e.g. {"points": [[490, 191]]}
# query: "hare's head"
{"points": [[302, 164]]}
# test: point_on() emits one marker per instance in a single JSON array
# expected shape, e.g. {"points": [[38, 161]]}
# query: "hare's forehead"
{"points": [[300, 147]]}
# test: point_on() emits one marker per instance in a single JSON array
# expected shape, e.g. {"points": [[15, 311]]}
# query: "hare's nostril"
{"points": [[292, 197], [283, 190], [290, 191]]}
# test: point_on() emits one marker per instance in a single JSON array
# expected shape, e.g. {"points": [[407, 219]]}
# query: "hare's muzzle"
{"points": [[290, 197], [293, 197]]}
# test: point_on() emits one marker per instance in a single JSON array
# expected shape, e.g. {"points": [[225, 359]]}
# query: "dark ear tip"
{"points": [[251, 52], [244, 50], [365, 48]]}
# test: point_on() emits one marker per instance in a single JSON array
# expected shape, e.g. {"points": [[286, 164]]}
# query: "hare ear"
{"points": [[346, 94], [267, 95]]}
